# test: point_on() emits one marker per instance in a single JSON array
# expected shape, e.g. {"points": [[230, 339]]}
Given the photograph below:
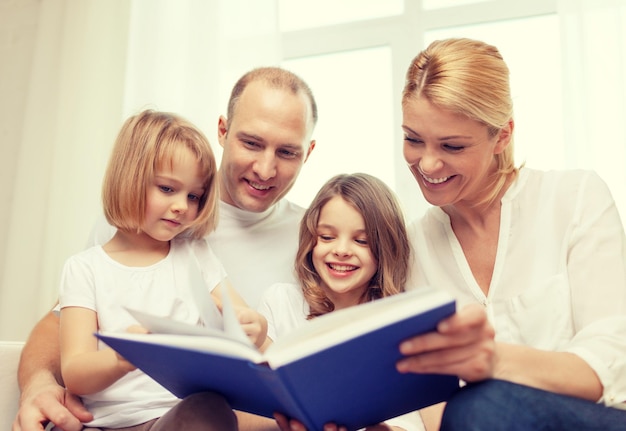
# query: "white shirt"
{"points": [[256, 249], [91, 279], [285, 309], [559, 280]]}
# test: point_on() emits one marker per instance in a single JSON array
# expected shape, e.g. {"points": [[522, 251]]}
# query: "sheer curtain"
{"points": [[96, 62], [593, 34]]}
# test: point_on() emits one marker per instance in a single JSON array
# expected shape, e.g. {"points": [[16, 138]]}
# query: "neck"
{"points": [[476, 213], [136, 249]]}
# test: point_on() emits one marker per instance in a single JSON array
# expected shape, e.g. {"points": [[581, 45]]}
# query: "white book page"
{"points": [[341, 325], [220, 345]]}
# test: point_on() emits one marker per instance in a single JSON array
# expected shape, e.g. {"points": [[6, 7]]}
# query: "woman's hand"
{"points": [[463, 345]]}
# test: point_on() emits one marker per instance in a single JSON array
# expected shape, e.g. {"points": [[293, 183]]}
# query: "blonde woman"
{"points": [[542, 252]]}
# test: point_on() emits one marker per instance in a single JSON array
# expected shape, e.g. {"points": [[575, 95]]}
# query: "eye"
{"points": [[412, 140], [194, 198], [453, 148], [324, 237], [166, 189], [252, 145], [361, 241], [287, 154]]}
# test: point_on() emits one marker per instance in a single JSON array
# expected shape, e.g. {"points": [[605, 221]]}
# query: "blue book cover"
{"points": [[337, 368]]}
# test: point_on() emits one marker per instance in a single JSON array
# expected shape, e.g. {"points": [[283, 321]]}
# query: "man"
{"points": [[266, 140]]}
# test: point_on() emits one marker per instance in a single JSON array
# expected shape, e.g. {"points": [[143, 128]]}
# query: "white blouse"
{"points": [[559, 280]]}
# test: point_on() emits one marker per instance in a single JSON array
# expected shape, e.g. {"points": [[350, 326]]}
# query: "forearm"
{"points": [[40, 359], [559, 372], [90, 372]]}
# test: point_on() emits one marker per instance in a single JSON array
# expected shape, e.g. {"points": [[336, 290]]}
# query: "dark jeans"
{"points": [[499, 405]]}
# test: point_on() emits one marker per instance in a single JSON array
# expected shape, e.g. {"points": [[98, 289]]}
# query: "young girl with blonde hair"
{"points": [[160, 193]]}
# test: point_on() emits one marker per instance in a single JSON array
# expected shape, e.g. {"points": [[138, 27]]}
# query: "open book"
{"points": [[340, 367]]}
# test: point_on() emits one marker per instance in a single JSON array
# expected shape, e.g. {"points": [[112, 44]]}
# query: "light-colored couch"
{"points": [[9, 392]]}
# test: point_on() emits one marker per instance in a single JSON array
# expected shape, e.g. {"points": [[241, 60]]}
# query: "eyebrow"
{"points": [[161, 177], [442, 138], [330, 226]]}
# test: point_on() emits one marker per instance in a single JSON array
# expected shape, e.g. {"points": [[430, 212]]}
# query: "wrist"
{"points": [[36, 381]]}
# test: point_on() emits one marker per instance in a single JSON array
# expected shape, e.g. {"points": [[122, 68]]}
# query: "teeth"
{"points": [[342, 267], [435, 180], [259, 186]]}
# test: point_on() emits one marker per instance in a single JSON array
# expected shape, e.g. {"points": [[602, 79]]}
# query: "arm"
{"points": [[550, 371], [43, 397], [86, 369]]}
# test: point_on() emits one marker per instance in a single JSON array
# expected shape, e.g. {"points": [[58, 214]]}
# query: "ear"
{"points": [[504, 137], [308, 153], [222, 130]]}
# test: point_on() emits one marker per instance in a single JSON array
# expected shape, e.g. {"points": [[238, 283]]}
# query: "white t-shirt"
{"points": [[559, 280], [285, 309], [91, 279], [256, 249]]}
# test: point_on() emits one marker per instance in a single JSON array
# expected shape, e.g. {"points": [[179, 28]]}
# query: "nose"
{"points": [[265, 166], [180, 204], [342, 248], [430, 162]]}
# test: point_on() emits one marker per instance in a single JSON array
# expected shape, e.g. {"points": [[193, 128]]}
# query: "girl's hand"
{"points": [[463, 345], [122, 363], [253, 323]]}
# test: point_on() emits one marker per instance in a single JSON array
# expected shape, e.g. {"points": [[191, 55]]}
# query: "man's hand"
{"points": [[45, 401], [463, 345]]}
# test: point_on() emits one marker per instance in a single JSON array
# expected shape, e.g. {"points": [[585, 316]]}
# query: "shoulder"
{"points": [[85, 262], [558, 179], [288, 208], [283, 292], [561, 186], [200, 248]]}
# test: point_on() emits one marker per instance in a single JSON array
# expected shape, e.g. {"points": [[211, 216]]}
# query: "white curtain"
{"points": [[96, 62], [593, 36]]}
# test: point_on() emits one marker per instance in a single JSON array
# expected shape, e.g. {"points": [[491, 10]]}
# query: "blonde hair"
{"points": [[468, 77], [146, 143], [386, 235]]}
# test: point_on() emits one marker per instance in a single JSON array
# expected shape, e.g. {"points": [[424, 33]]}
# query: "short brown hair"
{"points": [[147, 142]]}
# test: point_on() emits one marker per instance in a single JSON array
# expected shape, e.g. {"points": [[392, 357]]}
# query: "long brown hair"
{"points": [[385, 229]]}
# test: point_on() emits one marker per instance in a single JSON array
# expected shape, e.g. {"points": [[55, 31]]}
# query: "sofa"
{"points": [[9, 393]]}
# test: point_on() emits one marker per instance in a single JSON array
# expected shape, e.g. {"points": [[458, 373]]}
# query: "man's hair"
{"points": [[274, 77]]}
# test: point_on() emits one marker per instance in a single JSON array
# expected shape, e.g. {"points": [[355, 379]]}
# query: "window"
{"points": [[356, 124]]}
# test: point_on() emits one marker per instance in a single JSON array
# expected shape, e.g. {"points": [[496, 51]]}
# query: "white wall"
{"points": [[69, 112]]}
